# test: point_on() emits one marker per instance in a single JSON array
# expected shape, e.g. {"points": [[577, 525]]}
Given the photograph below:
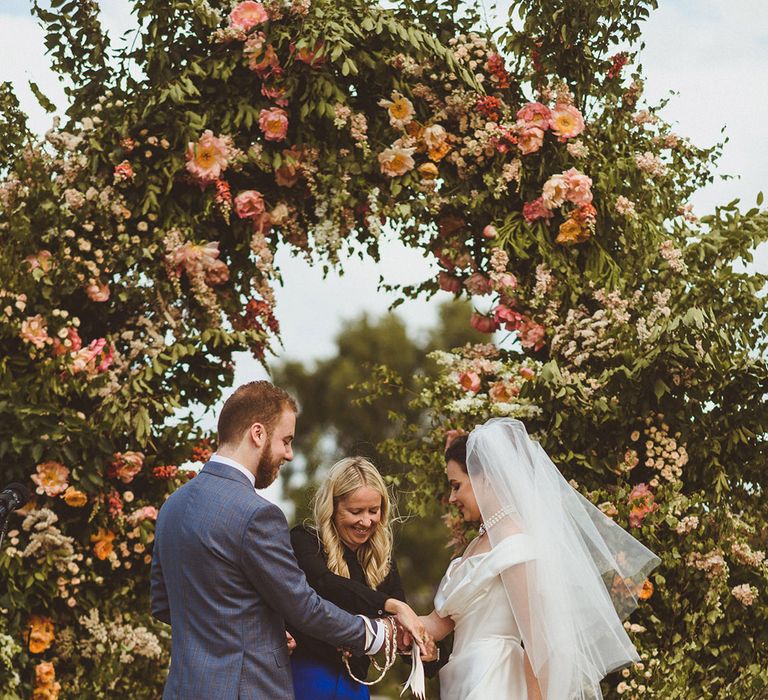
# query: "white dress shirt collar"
{"points": [[215, 457]]}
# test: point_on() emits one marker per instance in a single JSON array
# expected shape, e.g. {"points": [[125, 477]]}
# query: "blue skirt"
{"points": [[314, 680]]}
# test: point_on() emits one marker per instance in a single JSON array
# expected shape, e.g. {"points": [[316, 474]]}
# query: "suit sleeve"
{"points": [[347, 594], [269, 563], [160, 607]]}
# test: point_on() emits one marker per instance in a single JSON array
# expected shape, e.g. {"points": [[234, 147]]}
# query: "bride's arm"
{"points": [[438, 627], [531, 682]]}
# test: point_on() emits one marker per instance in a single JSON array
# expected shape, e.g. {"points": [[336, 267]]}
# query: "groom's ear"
{"points": [[258, 434]]}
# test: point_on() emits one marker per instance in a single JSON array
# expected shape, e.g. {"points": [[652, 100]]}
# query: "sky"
{"points": [[712, 53]]}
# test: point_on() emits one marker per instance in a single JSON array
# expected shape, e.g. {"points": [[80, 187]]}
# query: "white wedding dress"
{"points": [[487, 662]]}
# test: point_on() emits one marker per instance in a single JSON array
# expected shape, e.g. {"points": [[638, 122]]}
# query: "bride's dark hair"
{"points": [[457, 451]]}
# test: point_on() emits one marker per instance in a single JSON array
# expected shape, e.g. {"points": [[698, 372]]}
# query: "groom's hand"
{"points": [[290, 642]]}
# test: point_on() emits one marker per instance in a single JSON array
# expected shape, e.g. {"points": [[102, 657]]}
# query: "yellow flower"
{"points": [[396, 161], [400, 109], [571, 232], [75, 498], [40, 633], [102, 540]]}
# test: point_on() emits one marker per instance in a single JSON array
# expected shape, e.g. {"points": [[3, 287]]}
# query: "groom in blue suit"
{"points": [[224, 575]]}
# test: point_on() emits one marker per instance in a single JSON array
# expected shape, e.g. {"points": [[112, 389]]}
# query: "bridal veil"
{"points": [[569, 602]]}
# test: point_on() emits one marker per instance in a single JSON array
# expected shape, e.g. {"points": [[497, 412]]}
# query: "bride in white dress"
{"points": [[536, 602]]}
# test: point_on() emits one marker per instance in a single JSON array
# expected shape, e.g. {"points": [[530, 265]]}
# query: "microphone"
{"points": [[12, 497]]}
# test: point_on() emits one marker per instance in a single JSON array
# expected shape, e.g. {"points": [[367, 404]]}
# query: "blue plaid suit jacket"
{"points": [[225, 577]]}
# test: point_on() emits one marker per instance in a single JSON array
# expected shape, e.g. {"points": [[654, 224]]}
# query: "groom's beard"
{"points": [[267, 469]]}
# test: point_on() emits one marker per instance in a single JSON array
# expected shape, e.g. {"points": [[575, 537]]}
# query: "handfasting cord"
{"points": [[390, 652]]}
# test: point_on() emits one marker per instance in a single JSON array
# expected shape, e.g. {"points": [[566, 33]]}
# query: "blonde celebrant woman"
{"points": [[346, 554], [528, 603]]}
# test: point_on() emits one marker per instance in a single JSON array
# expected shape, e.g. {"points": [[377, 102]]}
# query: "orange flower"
{"points": [[439, 152], [571, 233], [51, 478], [102, 540], [40, 633], [501, 392], [647, 590], [46, 686], [73, 497], [428, 171]]}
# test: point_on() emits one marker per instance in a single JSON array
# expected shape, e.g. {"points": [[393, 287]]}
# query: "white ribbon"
{"points": [[415, 681]]}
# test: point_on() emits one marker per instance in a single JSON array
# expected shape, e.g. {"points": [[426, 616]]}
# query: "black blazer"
{"points": [[352, 594]]}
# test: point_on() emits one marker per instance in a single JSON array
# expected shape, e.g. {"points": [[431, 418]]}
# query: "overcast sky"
{"points": [[713, 53]]}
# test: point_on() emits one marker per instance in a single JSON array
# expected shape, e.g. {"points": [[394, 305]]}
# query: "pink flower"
{"points": [[34, 331], [247, 15], [84, 360], [470, 382], [261, 56], [144, 513], [123, 171], [51, 478], [195, 258], [208, 158], [72, 343], [526, 373], [530, 139], [505, 282], [448, 282], [554, 191], [477, 283], [641, 504], [509, 317], [535, 114], [535, 210], [490, 231], [249, 204], [579, 187], [126, 465], [484, 324], [42, 260], [97, 291], [531, 334], [566, 121], [274, 123]]}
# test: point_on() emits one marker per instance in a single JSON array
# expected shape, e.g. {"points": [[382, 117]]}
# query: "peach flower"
{"points": [[579, 187], [531, 335], [126, 465], [535, 114], [97, 291], [35, 332], [566, 121], [46, 685], [247, 15], [526, 373], [274, 123], [434, 136], [502, 392], [41, 633], [217, 274], [646, 591], [470, 382], [641, 503], [71, 343], [103, 543], [530, 139], [428, 171], [554, 192], [73, 497], [439, 152], [260, 55], [400, 109], [396, 161], [249, 204], [209, 157], [51, 478]]}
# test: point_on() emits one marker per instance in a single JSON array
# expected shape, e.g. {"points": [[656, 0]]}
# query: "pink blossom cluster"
{"points": [[712, 563], [745, 594]]}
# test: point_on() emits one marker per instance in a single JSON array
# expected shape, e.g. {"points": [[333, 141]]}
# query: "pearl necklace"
{"points": [[495, 519]]}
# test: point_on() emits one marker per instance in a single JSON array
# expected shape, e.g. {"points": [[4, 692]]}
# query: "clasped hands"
{"points": [[410, 629]]}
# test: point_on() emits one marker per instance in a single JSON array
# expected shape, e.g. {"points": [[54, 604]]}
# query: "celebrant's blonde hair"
{"points": [[344, 477]]}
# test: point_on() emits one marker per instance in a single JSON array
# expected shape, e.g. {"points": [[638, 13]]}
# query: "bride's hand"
{"points": [[413, 628]]}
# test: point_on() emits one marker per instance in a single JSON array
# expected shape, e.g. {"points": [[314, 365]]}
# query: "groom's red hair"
{"points": [[255, 402]]}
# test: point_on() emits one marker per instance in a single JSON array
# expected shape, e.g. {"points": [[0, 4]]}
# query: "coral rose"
{"points": [[641, 504], [502, 392], [97, 291], [41, 633], [123, 171], [73, 497], [396, 161], [249, 204], [470, 382], [566, 122], [509, 317], [261, 56], [535, 114], [103, 543], [274, 123], [484, 324], [247, 15], [530, 139], [35, 332], [51, 478], [526, 373], [126, 465], [531, 335], [208, 158]]}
